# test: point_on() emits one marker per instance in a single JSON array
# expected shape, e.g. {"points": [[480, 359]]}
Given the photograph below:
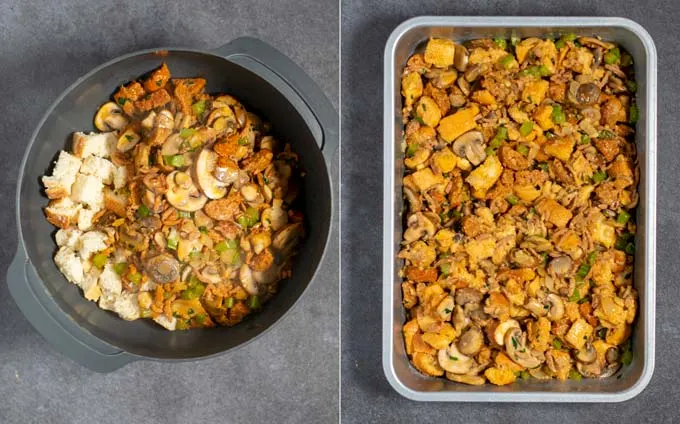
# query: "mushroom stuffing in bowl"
{"points": [[180, 209], [187, 210], [520, 186]]}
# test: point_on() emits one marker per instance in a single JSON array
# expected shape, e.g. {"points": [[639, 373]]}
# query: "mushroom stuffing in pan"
{"points": [[180, 209], [520, 187]]}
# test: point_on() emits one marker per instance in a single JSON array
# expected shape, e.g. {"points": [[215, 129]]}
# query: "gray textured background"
{"points": [[366, 395], [283, 376]]}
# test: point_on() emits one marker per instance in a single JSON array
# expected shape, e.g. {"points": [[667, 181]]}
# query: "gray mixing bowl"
{"points": [[268, 83]]}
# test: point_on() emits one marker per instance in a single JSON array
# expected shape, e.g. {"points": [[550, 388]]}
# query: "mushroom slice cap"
{"points": [[587, 354], [460, 57], [451, 360], [516, 347], [267, 276], [163, 268], [204, 168], [110, 117], [470, 146], [247, 281], [471, 341], [182, 193], [556, 307], [222, 120], [503, 328], [419, 225], [445, 307], [287, 239]]}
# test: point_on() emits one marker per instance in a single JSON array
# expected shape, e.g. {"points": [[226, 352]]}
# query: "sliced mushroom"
{"points": [[226, 171], [587, 354], [583, 94], [267, 276], [555, 307], [460, 320], [473, 72], [127, 140], [173, 145], [591, 370], [522, 258], [560, 266], [453, 361], [420, 156], [163, 126], [610, 370], [473, 380], [149, 121], [275, 217], [518, 351], [594, 42], [286, 240], [223, 120], [419, 226], [163, 268], [468, 295], [504, 328], [247, 281], [204, 168], [470, 146], [414, 200], [471, 341], [182, 193], [445, 308], [209, 274], [535, 307], [110, 117], [460, 57], [251, 194], [159, 239]]}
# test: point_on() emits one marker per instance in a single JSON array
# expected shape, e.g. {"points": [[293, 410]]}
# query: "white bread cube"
{"points": [[91, 242], [68, 237], [88, 189], [110, 281], [85, 218], [59, 184], [115, 202], [148, 285], [169, 324], [69, 264], [90, 286], [97, 144], [120, 177], [107, 300], [127, 306], [100, 167], [62, 212]]}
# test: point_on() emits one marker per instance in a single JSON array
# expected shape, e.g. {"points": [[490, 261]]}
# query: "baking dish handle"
{"points": [[287, 77], [65, 335]]}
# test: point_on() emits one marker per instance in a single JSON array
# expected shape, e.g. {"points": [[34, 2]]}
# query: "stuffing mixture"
{"points": [[521, 187], [180, 209]]}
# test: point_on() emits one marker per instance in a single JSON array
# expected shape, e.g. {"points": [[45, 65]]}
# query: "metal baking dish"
{"points": [[408, 382]]}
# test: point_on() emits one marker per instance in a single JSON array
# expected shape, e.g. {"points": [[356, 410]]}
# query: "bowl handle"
{"points": [[282, 73], [64, 334]]}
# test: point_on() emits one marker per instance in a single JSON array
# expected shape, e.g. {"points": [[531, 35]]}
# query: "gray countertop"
{"points": [[46, 46], [366, 395]]}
